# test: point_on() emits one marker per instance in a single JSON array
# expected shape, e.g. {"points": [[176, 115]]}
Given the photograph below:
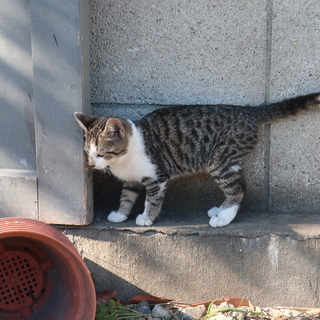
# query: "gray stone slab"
{"points": [[294, 154], [61, 82], [269, 259], [178, 52], [295, 165], [17, 143], [18, 194], [295, 56]]}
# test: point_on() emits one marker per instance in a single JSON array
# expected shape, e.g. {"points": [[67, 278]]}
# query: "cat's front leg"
{"points": [[129, 194], [154, 196]]}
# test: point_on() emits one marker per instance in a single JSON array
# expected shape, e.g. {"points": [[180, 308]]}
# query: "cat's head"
{"points": [[106, 139]]}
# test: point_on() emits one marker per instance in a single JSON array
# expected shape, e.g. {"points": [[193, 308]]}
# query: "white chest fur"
{"points": [[134, 164]]}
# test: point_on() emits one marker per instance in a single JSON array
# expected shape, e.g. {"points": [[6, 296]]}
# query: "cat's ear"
{"points": [[114, 129], [84, 120]]}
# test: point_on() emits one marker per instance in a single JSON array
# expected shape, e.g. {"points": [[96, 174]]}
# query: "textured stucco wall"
{"points": [[294, 69], [156, 52], [178, 52], [149, 53]]}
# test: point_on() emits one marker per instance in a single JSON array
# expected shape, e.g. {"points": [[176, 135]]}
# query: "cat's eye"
{"points": [[100, 155], [113, 153]]}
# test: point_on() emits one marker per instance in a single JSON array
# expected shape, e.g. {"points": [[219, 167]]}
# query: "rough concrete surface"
{"points": [[178, 52], [295, 165], [271, 260], [295, 49], [294, 144]]}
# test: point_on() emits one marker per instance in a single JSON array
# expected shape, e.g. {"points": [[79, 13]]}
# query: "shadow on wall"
{"points": [[185, 196], [106, 280]]}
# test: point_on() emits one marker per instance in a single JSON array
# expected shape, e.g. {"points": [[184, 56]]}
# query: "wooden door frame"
{"points": [[61, 62], [60, 190]]}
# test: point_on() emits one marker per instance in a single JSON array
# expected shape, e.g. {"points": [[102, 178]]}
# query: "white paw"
{"points": [[115, 216], [218, 222], [224, 217], [214, 211], [142, 220]]}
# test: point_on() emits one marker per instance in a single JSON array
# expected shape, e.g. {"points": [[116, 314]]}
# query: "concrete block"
{"points": [[269, 259], [295, 55], [294, 154], [178, 52], [295, 165]]}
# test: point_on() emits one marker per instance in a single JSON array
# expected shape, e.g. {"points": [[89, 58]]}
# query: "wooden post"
{"points": [[60, 51]]}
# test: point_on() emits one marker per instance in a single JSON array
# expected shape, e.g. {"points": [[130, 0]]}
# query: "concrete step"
{"points": [[270, 259]]}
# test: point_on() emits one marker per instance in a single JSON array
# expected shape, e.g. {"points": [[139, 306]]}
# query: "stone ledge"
{"points": [[270, 259]]}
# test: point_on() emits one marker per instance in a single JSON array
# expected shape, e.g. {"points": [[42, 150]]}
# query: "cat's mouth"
{"points": [[94, 165], [99, 167]]}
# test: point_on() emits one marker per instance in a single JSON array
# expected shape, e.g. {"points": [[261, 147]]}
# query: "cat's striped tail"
{"points": [[287, 108]]}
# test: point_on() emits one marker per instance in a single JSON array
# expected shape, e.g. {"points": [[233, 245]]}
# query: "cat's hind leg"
{"points": [[129, 194], [155, 191], [213, 211], [231, 182], [224, 217]]}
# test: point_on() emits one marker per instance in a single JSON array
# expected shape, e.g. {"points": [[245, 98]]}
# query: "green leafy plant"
{"points": [[211, 311], [114, 310]]}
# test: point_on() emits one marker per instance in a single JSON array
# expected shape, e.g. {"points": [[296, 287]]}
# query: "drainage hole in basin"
{"points": [[22, 280]]}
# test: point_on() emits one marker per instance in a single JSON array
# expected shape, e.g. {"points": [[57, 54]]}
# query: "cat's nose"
{"points": [[91, 163]]}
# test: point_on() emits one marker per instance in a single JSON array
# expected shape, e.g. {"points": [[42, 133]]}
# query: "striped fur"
{"points": [[182, 139]]}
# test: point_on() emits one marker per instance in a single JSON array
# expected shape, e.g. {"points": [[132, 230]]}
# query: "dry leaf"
{"points": [[236, 302], [104, 296], [151, 299]]}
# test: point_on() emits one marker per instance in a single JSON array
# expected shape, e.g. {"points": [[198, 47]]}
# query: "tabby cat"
{"points": [[183, 139]]}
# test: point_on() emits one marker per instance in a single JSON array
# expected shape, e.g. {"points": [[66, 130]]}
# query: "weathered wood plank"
{"points": [[17, 145], [18, 194], [61, 87], [18, 176]]}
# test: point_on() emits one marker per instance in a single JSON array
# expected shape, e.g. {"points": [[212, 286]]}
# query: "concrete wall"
{"points": [[151, 53], [272, 261]]}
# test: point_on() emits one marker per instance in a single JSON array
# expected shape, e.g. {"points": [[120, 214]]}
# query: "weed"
{"points": [[212, 310], [114, 310]]}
